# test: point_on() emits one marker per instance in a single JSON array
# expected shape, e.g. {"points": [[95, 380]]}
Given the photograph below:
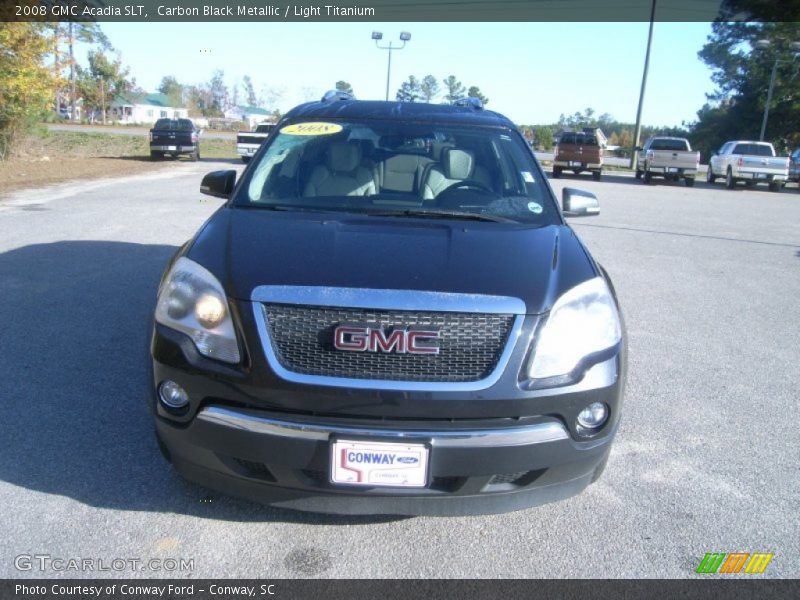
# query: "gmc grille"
{"points": [[470, 344]]}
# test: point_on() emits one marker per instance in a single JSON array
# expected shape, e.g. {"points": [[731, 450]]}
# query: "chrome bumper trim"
{"points": [[465, 438]]}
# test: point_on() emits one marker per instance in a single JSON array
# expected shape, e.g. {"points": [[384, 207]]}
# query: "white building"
{"points": [[144, 109], [252, 115]]}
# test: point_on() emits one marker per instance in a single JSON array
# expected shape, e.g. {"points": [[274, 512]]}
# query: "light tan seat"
{"points": [[403, 172], [342, 174], [455, 165]]}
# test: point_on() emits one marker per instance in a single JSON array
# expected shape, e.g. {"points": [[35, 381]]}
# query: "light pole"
{"points": [[763, 45], [638, 127], [377, 36]]}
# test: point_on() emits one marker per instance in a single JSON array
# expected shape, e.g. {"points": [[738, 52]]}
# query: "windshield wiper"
{"points": [[291, 208], [440, 214]]}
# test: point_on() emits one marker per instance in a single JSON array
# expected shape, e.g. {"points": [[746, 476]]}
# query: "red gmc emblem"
{"points": [[363, 338]]}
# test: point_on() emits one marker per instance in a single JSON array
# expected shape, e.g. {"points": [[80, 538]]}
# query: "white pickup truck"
{"points": [[667, 157], [751, 162], [248, 142]]}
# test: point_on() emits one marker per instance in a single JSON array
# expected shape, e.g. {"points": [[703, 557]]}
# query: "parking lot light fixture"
{"points": [[405, 36]]}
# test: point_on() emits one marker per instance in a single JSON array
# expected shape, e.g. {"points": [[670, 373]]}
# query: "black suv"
{"points": [[389, 315]]}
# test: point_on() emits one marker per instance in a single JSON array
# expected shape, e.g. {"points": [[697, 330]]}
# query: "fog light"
{"points": [[593, 416], [173, 395]]}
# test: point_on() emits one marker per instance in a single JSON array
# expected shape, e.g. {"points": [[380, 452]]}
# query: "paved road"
{"points": [[706, 458]]}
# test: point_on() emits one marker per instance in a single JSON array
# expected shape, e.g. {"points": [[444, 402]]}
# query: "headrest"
{"points": [[402, 163], [343, 156], [457, 164]]}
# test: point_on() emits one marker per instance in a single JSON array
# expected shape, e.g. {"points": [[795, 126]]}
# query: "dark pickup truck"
{"points": [[174, 137]]}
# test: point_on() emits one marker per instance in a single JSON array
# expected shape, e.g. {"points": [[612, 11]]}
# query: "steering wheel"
{"points": [[467, 184]]}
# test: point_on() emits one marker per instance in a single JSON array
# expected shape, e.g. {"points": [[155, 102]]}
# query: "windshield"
{"points": [[394, 168]]}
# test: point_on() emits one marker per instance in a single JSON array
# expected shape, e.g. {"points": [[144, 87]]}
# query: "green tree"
{"points": [[217, 95], [343, 86], [249, 91], [542, 137], [103, 80], [410, 90], [454, 90], [429, 88], [742, 56], [27, 83], [475, 92], [172, 89]]}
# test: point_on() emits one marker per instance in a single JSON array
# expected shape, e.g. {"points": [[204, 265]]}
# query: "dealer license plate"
{"points": [[360, 463]]}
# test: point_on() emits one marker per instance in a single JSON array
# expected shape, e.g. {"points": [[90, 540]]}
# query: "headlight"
{"points": [[583, 321], [191, 300]]}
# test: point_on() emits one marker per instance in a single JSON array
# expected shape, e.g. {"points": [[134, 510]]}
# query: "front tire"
{"points": [[730, 182], [710, 175], [647, 177], [556, 170], [638, 174], [689, 181], [775, 186], [596, 175]]}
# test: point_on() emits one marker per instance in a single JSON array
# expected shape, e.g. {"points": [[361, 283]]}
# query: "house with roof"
{"points": [[146, 108], [252, 115]]}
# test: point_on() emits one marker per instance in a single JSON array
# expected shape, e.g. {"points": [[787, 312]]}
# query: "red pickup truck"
{"points": [[580, 151]]}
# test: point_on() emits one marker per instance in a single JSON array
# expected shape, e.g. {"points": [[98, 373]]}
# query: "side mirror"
{"points": [[218, 183], [579, 203]]}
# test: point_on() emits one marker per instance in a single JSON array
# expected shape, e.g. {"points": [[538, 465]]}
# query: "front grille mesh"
{"points": [[469, 347]]}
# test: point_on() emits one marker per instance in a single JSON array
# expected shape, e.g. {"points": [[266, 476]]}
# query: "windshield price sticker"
{"points": [[312, 129]]}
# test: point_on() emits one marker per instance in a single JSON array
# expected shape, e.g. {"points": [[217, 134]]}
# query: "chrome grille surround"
{"points": [[380, 304]]}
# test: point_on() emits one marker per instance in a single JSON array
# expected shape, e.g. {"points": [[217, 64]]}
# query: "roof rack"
{"points": [[337, 95], [469, 102]]}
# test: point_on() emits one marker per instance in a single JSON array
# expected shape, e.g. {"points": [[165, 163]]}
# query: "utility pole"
{"points": [[638, 128], [71, 72], [769, 100]]}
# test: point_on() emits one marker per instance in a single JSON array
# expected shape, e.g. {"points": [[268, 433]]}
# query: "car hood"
{"points": [[247, 248]]}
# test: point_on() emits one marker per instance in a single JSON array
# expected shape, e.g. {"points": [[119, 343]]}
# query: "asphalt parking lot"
{"points": [[706, 459]]}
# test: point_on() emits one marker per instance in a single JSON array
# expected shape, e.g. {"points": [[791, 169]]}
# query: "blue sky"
{"points": [[531, 72]]}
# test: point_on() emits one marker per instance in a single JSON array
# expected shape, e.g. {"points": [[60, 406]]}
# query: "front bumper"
{"points": [[472, 471], [252, 434]]}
